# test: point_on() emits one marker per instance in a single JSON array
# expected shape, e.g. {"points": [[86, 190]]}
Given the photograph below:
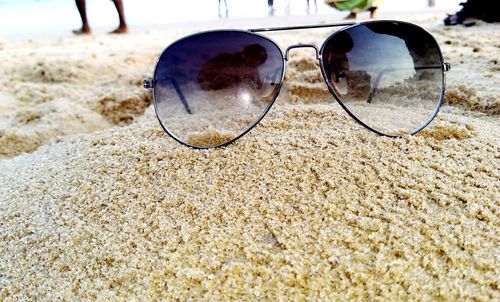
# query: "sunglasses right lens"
{"points": [[388, 75], [211, 88]]}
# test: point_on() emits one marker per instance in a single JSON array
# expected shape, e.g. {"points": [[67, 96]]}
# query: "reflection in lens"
{"points": [[212, 87], [387, 74]]}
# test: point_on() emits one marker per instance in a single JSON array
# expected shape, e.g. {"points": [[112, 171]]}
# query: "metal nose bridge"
{"points": [[301, 46]]}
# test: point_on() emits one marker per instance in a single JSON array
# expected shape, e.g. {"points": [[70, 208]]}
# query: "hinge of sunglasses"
{"points": [[148, 84], [446, 67]]}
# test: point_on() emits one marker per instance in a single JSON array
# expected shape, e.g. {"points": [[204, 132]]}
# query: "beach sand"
{"points": [[97, 202]]}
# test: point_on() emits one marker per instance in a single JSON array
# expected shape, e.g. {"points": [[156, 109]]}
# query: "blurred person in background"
{"points": [[270, 5], [315, 7], [122, 27], [356, 6], [227, 10], [472, 10]]}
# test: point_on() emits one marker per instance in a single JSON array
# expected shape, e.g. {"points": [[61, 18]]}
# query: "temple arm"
{"points": [[181, 95], [389, 69], [255, 30], [149, 84]]}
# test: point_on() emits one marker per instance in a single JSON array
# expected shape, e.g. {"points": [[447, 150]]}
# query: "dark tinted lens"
{"points": [[212, 87], [387, 74]]}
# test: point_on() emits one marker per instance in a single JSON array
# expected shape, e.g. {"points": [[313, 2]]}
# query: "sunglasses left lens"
{"points": [[210, 88]]}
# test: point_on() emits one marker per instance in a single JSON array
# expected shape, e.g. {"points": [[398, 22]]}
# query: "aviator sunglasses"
{"points": [[211, 88]]}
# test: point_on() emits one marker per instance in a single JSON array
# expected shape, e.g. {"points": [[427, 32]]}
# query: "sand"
{"points": [[98, 203]]}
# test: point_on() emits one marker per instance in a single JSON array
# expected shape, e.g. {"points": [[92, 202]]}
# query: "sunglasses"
{"points": [[213, 87]]}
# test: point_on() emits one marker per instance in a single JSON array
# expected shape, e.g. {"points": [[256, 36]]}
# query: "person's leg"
{"points": [[351, 16], [80, 4], [122, 28], [227, 10], [270, 4]]}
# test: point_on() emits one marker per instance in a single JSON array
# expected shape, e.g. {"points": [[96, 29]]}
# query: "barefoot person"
{"points": [[355, 6], [122, 28], [473, 10]]}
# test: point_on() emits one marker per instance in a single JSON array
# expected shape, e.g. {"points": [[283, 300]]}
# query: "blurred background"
{"points": [[20, 19]]}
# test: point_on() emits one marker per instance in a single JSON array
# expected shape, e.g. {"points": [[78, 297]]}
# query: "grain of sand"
{"points": [[308, 206]]}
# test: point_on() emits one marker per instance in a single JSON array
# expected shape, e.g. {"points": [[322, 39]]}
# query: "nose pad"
{"points": [[302, 46]]}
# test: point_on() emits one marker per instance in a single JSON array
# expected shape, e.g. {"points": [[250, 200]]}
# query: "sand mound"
{"points": [[471, 84], [32, 127], [467, 97], [304, 82], [308, 205], [49, 95]]}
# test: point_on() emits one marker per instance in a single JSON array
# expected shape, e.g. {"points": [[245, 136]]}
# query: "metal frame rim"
{"points": [[259, 118], [337, 98], [255, 32]]}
